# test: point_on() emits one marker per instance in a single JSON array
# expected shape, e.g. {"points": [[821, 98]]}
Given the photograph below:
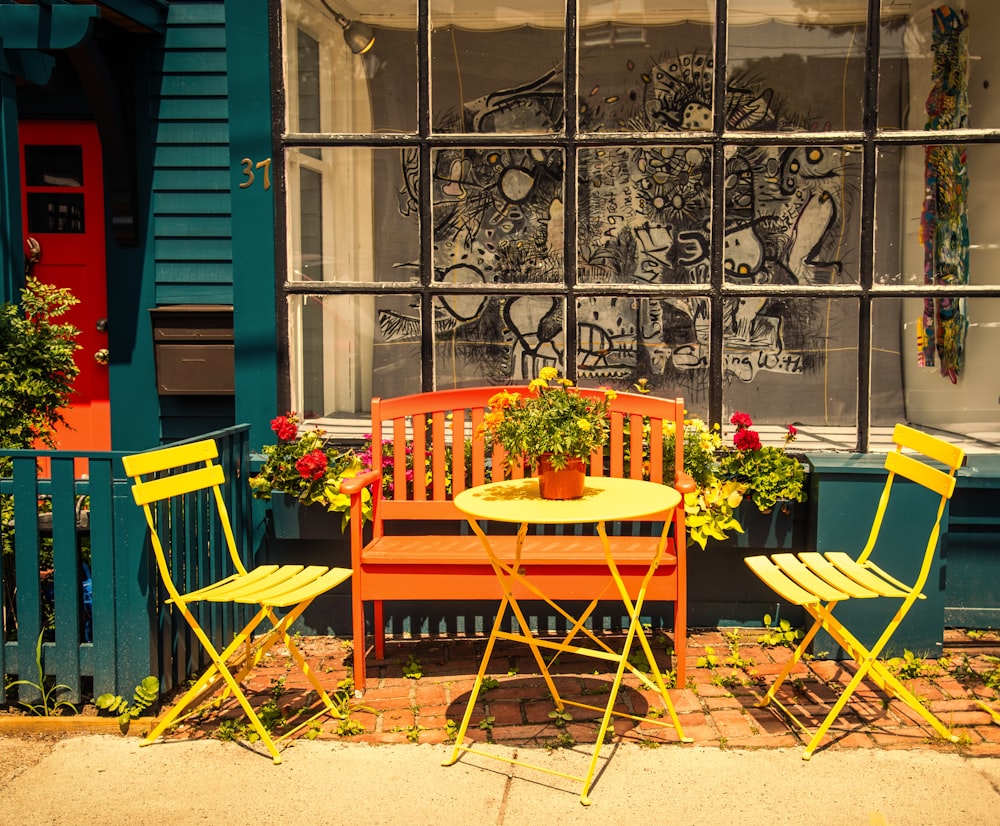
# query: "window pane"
{"points": [[969, 406], [347, 348], [792, 215], [894, 70], [956, 233], [498, 215], [645, 69], [887, 402], [791, 359], [945, 53], [330, 89], [496, 339], [665, 341], [348, 219], [493, 72], [644, 214], [795, 66]]}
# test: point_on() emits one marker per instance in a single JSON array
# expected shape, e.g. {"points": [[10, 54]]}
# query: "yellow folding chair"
{"points": [[818, 582], [178, 471]]}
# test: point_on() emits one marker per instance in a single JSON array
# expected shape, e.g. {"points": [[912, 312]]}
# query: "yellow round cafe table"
{"points": [[604, 500]]}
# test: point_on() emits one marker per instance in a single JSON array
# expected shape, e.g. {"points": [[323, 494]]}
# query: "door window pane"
{"points": [[330, 89], [792, 215], [350, 219], [347, 348], [497, 339]]}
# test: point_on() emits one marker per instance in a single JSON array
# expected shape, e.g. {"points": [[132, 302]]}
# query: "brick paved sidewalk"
{"points": [[419, 694]]}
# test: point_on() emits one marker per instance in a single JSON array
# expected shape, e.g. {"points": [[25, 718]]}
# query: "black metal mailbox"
{"points": [[193, 348]]}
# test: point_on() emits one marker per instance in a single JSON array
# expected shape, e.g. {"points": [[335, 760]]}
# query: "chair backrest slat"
{"points": [[916, 471], [930, 446], [139, 464], [177, 484]]}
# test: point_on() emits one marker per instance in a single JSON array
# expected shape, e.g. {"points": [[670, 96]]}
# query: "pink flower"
{"points": [[312, 466]]}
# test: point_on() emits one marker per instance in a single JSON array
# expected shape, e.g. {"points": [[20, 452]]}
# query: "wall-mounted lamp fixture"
{"points": [[360, 37]]}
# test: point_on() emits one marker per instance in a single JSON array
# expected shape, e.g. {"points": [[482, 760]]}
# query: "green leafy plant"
{"points": [[37, 369], [487, 684], [412, 669], [992, 675], [37, 373], [782, 634], [304, 464], [910, 666], [146, 693], [348, 727], [552, 419], [560, 718], [709, 511], [50, 703], [770, 475]]}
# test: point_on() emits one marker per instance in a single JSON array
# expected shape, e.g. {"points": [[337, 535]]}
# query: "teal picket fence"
{"points": [[78, 572]]}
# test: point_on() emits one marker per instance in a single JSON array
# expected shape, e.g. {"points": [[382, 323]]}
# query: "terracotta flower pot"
{"points": [[566, 483]]}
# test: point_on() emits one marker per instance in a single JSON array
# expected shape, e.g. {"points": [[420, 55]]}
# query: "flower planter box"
{"points": [[783, 528], [292, 520], [722, 590]]}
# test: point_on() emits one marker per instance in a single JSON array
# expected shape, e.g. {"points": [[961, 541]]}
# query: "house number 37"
{"points": [[249, 166]]}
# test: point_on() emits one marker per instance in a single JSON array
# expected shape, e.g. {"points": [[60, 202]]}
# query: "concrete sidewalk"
{"points": [[111, 780], [880, 764]]}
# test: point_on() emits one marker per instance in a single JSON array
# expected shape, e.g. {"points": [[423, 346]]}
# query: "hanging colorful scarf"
{"points": [[944, 226]]}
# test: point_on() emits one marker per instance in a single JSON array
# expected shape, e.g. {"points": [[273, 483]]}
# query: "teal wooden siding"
{"points": [[191, 197]]}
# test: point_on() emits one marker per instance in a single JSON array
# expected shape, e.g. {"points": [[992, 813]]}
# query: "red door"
{"points": [[62, 202]]}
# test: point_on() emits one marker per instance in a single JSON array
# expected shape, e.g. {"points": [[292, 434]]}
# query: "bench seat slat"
{"points": [[537, 550]]}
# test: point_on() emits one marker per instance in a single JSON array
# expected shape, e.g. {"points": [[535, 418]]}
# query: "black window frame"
{"points": [[870, 139]]}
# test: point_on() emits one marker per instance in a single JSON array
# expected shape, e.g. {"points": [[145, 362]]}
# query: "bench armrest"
{"points": [[353, 485], [683, 483]]}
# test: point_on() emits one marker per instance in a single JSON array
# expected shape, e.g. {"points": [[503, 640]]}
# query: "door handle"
{"points": [[102, 356]]}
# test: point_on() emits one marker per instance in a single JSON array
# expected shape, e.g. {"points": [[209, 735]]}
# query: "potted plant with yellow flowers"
{"points": [[554, 427]]}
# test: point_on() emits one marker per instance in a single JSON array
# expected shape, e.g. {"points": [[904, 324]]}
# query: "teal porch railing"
{"points": [[77, 570]]}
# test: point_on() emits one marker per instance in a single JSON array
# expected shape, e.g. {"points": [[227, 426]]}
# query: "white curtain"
{"points": [[485, 14]]}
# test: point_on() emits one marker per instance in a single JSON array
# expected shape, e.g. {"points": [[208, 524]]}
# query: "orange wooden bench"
{"points": [[409, 558]]}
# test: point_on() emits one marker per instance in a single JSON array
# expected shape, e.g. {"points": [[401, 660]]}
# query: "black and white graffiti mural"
{"points": [[644, 217]]}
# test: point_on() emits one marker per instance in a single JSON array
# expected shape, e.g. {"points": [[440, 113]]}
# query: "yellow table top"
{"points": [[604, 499]]}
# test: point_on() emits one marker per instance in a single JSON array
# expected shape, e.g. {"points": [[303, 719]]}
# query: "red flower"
{"points": [[741, 420], [286, 427], [312, 466], [746, 439], [792, 431]]}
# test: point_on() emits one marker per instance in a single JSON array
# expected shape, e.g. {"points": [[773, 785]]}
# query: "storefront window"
{"points": [[492, 188]]}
